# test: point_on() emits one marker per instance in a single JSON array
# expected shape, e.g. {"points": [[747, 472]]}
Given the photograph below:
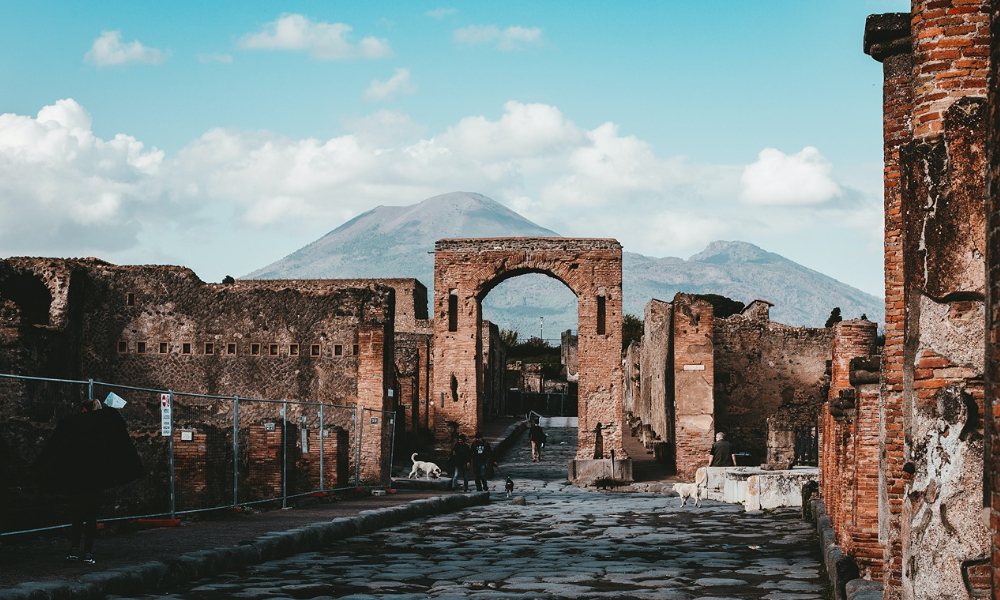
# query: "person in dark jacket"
{"points": [[482, 458], [461, 461], [88, 453], [537, 438]]}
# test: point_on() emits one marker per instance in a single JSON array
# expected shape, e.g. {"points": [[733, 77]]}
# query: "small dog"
{"points": [[509, 486], [693, 490], [428, 468]]}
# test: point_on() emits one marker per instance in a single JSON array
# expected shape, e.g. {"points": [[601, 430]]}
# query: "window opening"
{"points": [[314, 350], [122, 347], [209, 348], [293, 350], [453, 311], [130, 299], [272, 349], [164, 347], [255, 349], [186, 348], [338, 350], [230, 348], [140, 347], [601, 316], [354, 350]]}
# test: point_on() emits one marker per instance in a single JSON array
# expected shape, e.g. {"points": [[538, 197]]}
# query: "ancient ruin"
{"points": [[693, 375], [464, 273]]}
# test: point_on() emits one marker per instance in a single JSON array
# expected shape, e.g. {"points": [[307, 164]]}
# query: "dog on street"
{"points": [[428, 468]]}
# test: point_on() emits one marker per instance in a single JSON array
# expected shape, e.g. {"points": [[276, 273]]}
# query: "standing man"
{"points": [[482, 456], [461, 454], [537, 438], [721, 453]]}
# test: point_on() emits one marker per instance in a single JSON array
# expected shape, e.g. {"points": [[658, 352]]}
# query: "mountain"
{"points": [[398, 241]]}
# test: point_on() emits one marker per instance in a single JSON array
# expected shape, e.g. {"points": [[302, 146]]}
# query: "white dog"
{"points": [[693, 490], [427, 467]]}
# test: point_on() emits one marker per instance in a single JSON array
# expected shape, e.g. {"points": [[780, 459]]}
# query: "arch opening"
{"points": [[31, 296]]}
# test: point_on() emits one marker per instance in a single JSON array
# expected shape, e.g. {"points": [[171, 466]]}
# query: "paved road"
{"points": [[563, 543]]}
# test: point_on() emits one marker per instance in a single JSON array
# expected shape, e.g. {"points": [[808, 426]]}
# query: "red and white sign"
{"points": [[166, 422]]}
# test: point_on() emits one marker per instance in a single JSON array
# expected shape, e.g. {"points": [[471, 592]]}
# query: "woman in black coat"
{"points": [[88, 452]]}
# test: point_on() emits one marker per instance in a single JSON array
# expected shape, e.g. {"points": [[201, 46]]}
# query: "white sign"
{"points": [[187, 436], [694, 367], [115, 401], [391, 391], [166, 422]]}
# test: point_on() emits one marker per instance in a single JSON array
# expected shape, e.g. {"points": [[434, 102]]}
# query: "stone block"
{"points": [[590, 471]]}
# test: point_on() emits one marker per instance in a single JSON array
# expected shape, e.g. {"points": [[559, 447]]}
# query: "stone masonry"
{"points": [[464, 273]]}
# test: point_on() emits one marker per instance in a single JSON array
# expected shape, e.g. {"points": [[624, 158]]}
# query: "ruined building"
{"points": [[693, 375]]}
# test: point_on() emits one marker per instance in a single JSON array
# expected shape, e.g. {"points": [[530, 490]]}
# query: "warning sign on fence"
{"points": [[166, 422]]}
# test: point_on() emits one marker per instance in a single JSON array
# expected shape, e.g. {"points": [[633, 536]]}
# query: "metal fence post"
{"points": [[173, 497], [90, 389], [236, 449], [359, 432], [322, 443], [392, 447], [284, 454]]}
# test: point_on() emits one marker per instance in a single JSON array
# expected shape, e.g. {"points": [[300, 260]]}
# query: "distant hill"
{"points": [[398, 241]]}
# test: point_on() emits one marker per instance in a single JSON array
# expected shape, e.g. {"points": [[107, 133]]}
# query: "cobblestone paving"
{"points": [[563, 543]]}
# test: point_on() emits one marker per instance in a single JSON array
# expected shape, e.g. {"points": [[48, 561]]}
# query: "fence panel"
{"points": [[217, 452]]}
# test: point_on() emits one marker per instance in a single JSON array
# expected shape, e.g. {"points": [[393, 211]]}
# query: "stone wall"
{"points": [[693, 374], [569, 355], [770, 379], [161, 327]]}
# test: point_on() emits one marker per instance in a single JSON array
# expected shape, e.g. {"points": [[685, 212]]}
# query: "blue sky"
{"points": [[224, 135]]}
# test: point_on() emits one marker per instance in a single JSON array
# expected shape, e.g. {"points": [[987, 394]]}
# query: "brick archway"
{"points": [[465, 270]]}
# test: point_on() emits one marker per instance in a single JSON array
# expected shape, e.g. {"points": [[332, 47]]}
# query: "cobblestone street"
{"points": [[564, 542]]}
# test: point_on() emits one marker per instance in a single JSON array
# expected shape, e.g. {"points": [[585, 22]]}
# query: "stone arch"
{"points": [[466, 270]]}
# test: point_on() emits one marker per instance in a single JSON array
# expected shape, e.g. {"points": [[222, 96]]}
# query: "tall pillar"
{"points": [[945, 543], [693, 382], [887, 40], [992, 375]]}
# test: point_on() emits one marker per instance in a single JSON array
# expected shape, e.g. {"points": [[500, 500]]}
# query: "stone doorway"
{"points": [[465, 270]]}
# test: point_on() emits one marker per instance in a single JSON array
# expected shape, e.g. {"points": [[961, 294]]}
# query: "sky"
{"points": [[223, 136]]}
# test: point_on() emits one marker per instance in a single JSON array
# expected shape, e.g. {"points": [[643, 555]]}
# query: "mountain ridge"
{"points": [[398, 241]]}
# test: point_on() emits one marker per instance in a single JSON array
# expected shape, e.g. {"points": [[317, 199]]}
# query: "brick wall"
{"points": [[203, 468], [469, 269]]}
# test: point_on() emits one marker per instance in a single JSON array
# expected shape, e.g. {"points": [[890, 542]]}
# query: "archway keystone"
{"points": [[465, 270]]}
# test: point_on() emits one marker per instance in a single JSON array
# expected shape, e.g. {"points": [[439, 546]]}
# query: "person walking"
{"points": [[88, 453], [482, 458], [461, 457], [537, 438], [721, 453]]}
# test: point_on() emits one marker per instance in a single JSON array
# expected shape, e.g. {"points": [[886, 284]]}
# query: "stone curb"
{"points": [[506, 440], [840, 568], [156, 575]]}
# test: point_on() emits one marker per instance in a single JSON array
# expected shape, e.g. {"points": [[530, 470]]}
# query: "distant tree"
{"points": [[722, 306], [834, 317], [631, 330], [508, 337], [228, 280]]}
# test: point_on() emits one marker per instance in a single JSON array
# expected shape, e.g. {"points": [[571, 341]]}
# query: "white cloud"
{"points": [[327, 41], [215, 57], [70, 191], [801, 179], [440, 13], [400, 83], [110, 50], [509, 39], [64, 191]]}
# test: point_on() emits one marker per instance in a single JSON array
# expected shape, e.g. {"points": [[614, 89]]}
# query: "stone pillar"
{"points": [[864, 543], [945, 543], [694, 380], [887, 40], [655, 402]]}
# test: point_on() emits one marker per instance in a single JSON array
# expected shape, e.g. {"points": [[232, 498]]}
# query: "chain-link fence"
{"points": [[200, 452]]}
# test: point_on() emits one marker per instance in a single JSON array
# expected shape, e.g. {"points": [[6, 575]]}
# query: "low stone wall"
{"points": [[841, 569], [757, 489]]}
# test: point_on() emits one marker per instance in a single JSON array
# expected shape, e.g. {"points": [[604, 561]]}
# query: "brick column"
{"points": [[375, 376], [864, 529], [887, 40], [694, 380], [943, 170]]}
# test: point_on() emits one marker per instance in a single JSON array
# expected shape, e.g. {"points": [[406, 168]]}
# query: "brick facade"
{"points": [[693, 377], [992, 357], [464, 273]]}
